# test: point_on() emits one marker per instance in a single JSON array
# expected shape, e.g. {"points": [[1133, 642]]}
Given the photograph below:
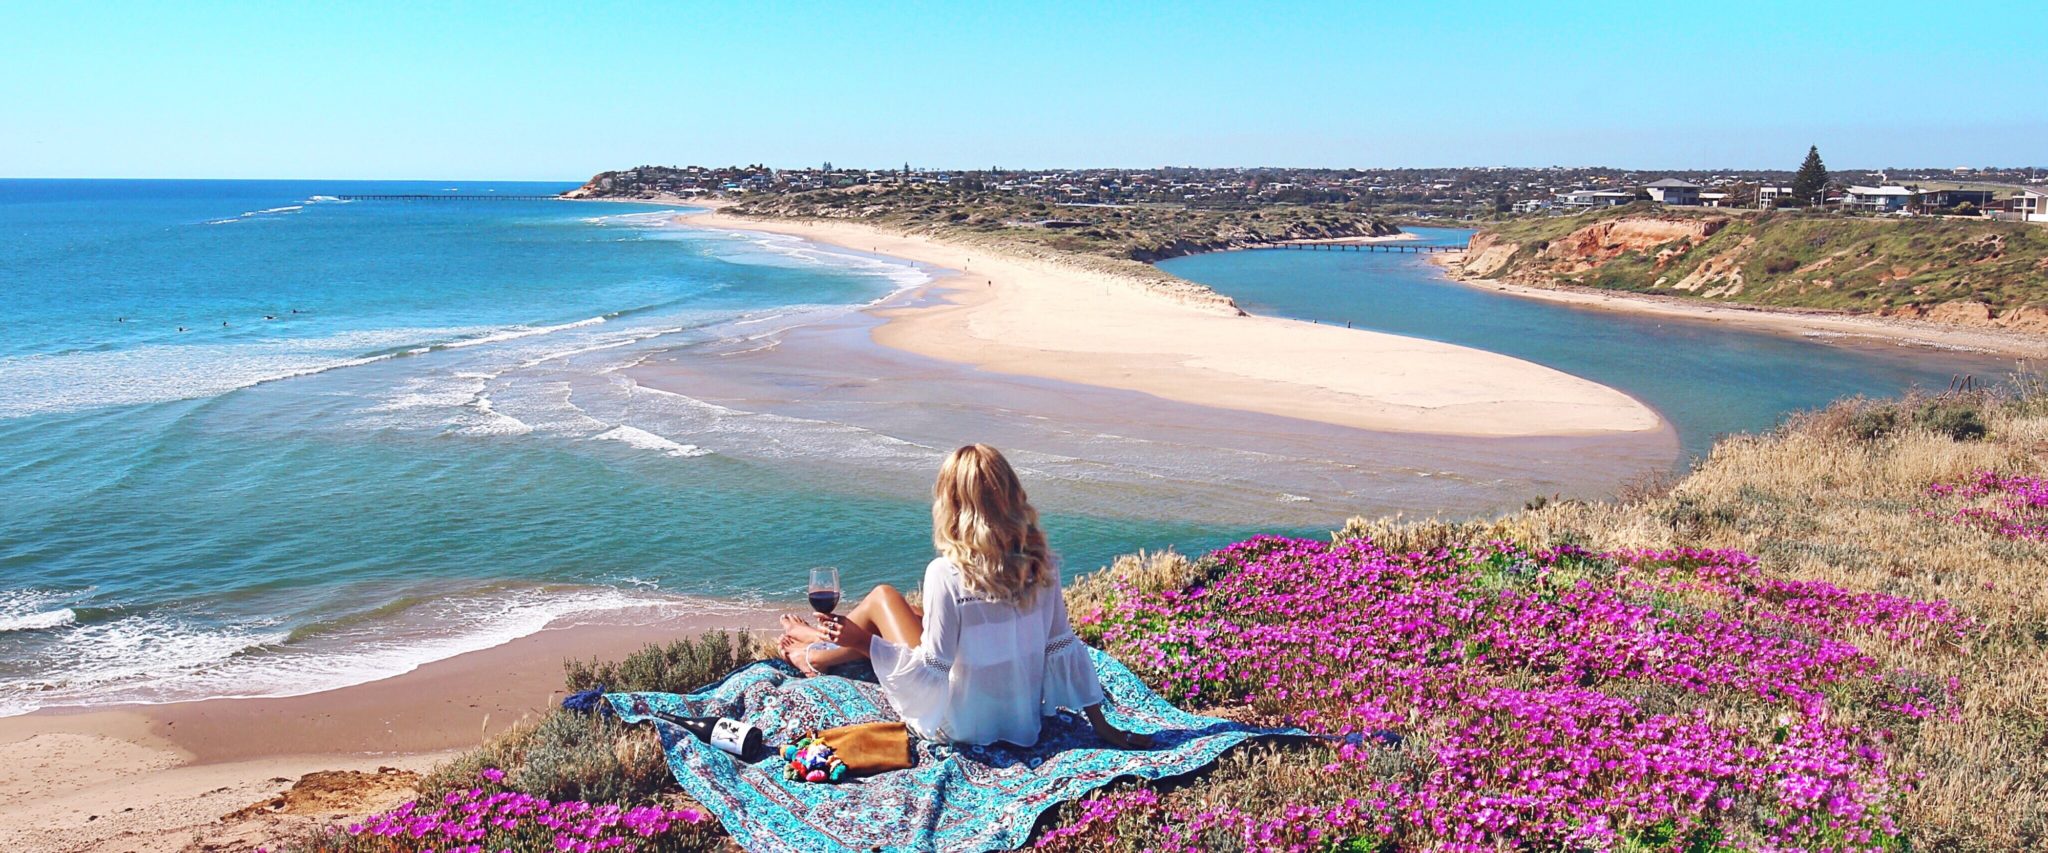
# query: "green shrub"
{"points": [[566, 756], [593, 758], [1958, 421], [1871, 424], [679, 667]]}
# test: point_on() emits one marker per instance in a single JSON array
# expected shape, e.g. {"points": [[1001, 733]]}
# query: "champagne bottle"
{"points": [[733, 736]]}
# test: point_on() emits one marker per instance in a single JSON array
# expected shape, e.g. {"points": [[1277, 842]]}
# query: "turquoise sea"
{"points": [[1708, 379], [393, 432], [257, 440]]}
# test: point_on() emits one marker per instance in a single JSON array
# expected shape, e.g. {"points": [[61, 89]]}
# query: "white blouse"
{"points": [[985, 671]]}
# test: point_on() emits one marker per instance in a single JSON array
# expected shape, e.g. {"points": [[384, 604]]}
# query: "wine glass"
{"points": [[824, 589]]}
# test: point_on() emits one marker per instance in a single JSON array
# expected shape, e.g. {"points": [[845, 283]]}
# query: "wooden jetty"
{"points": [[447, 197], [1364, 247]]}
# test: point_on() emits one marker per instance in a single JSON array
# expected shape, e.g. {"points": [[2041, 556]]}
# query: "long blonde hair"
{"points": [[984, 523]]}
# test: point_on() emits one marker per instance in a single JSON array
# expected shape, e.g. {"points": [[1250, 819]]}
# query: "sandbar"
{"points": [[1013, 313]]}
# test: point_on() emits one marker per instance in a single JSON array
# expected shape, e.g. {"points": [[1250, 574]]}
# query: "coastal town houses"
{"points": [[2029, 206], [1956, 199], [1594, 198], [1770, 197], [1884, 199], [1674, 191]]}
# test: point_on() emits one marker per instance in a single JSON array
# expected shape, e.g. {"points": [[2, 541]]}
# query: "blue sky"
{"points": [[558, 91]]}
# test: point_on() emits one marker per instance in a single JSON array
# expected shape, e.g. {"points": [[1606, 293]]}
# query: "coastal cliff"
{"points": [[1955, 271]]}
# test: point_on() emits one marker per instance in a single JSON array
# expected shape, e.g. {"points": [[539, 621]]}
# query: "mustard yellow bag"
{"points": [[870, 747]]}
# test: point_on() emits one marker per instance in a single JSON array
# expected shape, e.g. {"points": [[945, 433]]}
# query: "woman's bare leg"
{"points": [[801, 630], [825, 656], [887, 614]]}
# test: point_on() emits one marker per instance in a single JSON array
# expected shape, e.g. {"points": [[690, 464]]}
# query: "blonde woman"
{"points": [[991, 652]]}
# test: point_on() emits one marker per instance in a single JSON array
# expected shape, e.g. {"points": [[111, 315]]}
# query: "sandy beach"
{"points": [[1356, 241], [1034, 317], [1811, 324], [227, 774]]}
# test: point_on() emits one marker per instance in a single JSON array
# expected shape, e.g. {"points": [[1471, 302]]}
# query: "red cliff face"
{"points": [[1596, 244], [1587, 248]]}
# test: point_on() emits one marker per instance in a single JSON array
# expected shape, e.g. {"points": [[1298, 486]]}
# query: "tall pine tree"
{"points": [[1811, 181]]}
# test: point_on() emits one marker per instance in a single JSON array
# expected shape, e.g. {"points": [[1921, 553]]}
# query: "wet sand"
{"points": [[1013, 314], [1104, 451]]}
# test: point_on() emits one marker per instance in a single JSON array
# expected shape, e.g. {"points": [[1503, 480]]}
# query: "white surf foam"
{"points": [[252, 214], [162, 658], [37, 609], [782, 249], [38, 621], [775, 436], [199, 367], [492, 422], [644, 440], [902, 273], [129, 656], [515, 333]]}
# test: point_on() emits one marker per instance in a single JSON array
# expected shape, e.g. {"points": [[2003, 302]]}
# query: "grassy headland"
{"points": [[1944, 269], [1831, 636], [1133, 232]]}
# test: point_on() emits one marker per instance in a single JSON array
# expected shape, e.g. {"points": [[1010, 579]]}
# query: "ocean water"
{"points": [[393, 432], [256, 440], [1707, 379]]}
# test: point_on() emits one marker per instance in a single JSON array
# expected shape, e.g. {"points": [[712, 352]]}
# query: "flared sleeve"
{"points": [[1070, 678], [917, 679]]}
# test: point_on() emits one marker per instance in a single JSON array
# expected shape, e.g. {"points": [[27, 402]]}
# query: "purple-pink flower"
{"points": [[1555, 698], [2009, 505], [480, 819]]}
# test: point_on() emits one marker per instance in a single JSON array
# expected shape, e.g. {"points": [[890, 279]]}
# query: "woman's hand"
{"points": [[844, 632], [1114, 736]]}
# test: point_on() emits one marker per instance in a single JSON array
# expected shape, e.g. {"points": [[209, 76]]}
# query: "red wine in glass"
{"points": [[824, 589]]}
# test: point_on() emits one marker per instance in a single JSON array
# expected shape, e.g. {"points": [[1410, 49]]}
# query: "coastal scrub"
{"points": [[1827, 637], [1800, 645]]}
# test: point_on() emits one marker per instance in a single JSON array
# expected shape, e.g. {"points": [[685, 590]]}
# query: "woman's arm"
{"points": [[1116, 737], [1071, 679], [916, 676]]}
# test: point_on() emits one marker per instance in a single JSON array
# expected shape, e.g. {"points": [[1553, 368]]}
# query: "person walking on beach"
{"points": [[991, 652]]}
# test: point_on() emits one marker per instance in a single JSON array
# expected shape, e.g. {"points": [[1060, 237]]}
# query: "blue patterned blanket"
{"points": [[963, 798]]}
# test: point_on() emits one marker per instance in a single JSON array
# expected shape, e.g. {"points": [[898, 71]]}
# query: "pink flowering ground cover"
{"points": [[2010, 505], [489, 818], [1486, 696]]}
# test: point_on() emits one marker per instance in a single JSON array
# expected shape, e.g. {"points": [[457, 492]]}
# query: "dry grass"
{"points": [[1140, 573], [1839, 496], [1827, 498]]}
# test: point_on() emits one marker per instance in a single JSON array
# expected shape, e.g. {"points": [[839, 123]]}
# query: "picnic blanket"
{"points": [[956, 798]]}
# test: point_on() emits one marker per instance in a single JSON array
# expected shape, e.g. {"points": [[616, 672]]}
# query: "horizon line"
{"points": [[916, 168]]}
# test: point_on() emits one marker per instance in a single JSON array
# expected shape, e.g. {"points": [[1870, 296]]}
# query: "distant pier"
{"points": [[447, 197], [1364, 247]]}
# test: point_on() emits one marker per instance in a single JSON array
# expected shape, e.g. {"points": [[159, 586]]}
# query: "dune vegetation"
{"points": [[1786, 259], [1831, 636], [1138, 232]]}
